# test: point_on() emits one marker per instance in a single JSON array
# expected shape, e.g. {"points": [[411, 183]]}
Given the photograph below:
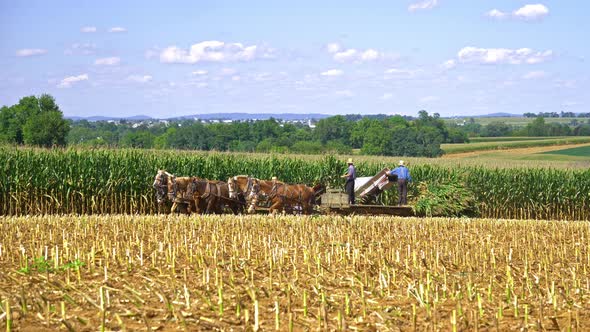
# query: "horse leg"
{"points": [[234, 208], [173, 208], [210, 205], [275, 206], [219, 206], [252, 207]]}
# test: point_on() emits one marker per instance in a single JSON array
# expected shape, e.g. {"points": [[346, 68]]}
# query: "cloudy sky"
{"points": [[171, 58]]}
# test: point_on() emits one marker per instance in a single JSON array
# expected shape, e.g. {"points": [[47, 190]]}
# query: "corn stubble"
{"points": [[292, 273]]}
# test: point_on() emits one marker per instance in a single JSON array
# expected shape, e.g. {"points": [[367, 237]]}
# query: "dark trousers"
{"points": [[350, 191], [402, 189]]}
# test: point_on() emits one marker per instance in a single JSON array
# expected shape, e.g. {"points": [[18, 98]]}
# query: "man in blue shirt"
{"points": [[403, 177], [350, 176]]}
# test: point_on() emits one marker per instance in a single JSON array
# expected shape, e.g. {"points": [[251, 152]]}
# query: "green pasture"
{"points": [[582, 151], [513, 138], [513, 144]]}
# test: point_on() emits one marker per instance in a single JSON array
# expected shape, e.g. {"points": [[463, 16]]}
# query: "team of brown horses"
{"points": [[193, 194]]}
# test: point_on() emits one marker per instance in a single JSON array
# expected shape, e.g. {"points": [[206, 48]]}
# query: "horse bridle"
{"points": [[161, 185], [234, 192]]}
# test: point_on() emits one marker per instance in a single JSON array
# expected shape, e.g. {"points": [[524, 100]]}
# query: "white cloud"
{"points": [[423, 5], [497, 14], [502, 55], [332, 72], [25, 52], [84, 49], [139, 78], [370, 55], [534, 75], [346, 55], [531, 12], [527, 12], [387, 96], [396, 71], [355, 55], [333, 47], [214, 51], [111, 61], [88, 29], [401, 73], [262, 77], [68, 81], [199, 72], [117, 29], [236, 78], [449, 64]]}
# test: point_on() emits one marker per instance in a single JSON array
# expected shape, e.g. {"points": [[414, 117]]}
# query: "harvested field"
{"points": [[521, 153], [116, 272]]}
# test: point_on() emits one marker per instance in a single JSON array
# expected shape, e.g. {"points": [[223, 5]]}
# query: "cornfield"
{"points": [[34, 181], [292, 273]]}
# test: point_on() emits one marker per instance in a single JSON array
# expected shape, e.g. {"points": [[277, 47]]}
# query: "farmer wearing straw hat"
{"points": [[350, 176], [403, 177]]}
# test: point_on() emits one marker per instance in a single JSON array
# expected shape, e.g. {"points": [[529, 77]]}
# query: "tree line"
{"points": [[562, 114], [39, 121], [386, 135]]}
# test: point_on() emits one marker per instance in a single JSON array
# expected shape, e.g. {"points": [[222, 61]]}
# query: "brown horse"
{"points": [[161, 182], [213, 197], [281, 196], [196, 194]]}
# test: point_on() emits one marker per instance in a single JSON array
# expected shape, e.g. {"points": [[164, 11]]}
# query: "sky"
{"points": [[173, 58]]}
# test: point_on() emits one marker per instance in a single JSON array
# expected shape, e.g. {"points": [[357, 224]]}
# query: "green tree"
{"points": [[496, 129], [335, 127], [358, 132], [138, 139], [46, 129], [35, 121], [537, 127], [376, 139]]}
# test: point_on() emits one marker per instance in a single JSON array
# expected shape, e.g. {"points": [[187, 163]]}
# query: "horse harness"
{"points": [[275, 192]]}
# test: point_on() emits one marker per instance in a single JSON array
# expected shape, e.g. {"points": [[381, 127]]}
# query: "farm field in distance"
{"points": [[506, 143], [581, 151], [575, 155], [293, 273], [512, 120]]}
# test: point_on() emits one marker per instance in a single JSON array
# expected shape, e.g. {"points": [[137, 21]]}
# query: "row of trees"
{"points": [[537, 128], [387, 135], [556, 115]]}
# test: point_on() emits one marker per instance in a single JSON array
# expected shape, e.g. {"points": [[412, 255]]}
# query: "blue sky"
{"points": [[172, 58]]}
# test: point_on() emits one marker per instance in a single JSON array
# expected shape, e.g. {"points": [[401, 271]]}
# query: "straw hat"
{"points": [[401, 163], [274, 178], [350, 160]]}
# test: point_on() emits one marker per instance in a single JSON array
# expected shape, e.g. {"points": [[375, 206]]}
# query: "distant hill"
{"points": [[212, 116], [499, 115], [253, 116], [109, 118], [491, 115]]}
